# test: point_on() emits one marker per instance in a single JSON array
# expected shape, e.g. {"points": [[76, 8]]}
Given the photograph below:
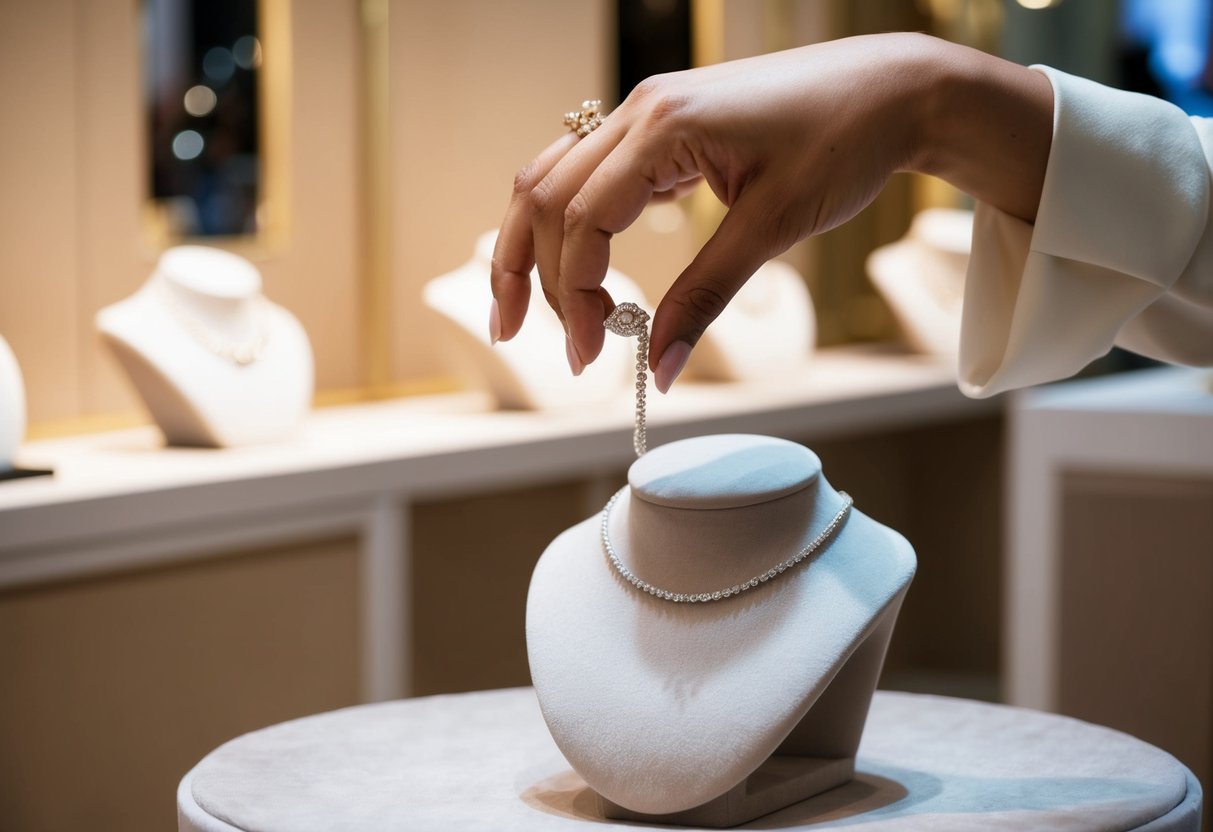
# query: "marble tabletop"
{"points": [[486, 761]]}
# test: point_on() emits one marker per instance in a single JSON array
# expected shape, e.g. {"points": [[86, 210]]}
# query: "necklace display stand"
{"points": [[12, 407], [715, 713], [214, 361], [738, 345], [528, 372], [922, 278]]}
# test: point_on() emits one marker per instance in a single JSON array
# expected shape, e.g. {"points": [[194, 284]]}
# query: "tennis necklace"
{"points": [[629, 320]]}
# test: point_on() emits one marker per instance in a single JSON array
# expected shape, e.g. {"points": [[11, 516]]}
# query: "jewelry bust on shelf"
{"points": [[922, 277], [714, 712], [529, 371], [215, 362], [12, 407], [768, 330]]}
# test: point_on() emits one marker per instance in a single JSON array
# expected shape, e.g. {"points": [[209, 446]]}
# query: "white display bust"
{"points": [[214, 361], [922, 277], [665, 707], [739, 345], [12, 407], [528, 372]]}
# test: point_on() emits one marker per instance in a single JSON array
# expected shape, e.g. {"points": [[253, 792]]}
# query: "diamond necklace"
{"points": [[720, 594], [627, 320]]}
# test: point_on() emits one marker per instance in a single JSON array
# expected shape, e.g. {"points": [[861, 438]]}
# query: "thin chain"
{"points": [[720, 594]]}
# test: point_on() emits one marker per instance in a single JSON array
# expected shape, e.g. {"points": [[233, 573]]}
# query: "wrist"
{"points": [[985, 125], [941, 75]]}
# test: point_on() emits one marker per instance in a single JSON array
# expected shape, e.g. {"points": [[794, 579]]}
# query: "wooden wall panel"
{"points": [[472, 563], [1136, 600], [941, 487], [113, 688]]}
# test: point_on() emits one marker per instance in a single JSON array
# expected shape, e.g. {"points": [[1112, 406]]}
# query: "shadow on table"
{"points": [[876, 793], [566, 794]]}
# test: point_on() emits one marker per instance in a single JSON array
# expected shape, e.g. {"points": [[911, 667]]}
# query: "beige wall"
{"points": [[39, 301]]}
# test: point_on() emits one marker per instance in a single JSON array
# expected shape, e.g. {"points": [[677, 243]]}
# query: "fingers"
{"points": [[514, 253], [609, 201], [743, 242], [684, 188], [566, 207], [549, 203]]}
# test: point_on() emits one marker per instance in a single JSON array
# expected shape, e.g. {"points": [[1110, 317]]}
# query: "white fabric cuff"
{"points": [[1123, 207]]}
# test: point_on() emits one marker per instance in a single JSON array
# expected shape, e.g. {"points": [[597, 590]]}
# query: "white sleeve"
{"points": [[1121, 252]]}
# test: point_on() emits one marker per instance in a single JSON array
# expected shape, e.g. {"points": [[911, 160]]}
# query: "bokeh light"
{"points": [[247, 52], [200, 100], [218, 64], [188, 144]]}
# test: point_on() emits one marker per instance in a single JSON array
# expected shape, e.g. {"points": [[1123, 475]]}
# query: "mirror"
{"points": [[202, 94]]}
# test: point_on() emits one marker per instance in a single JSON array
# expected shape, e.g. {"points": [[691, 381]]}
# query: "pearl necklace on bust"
{"points": [[243, 352], [628, 320]]}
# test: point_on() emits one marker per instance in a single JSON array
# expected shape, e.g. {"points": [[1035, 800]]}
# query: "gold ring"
{"points": [[585, 121]]}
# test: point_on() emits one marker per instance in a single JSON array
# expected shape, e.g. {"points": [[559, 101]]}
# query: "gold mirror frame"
{"points": [[274, 126]]}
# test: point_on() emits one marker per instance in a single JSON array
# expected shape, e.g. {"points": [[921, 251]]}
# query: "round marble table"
{"points": [[486, 761]]}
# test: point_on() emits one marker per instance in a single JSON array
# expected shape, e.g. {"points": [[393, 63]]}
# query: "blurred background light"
{"points": [[219, 64], [200, 100], [246, 52], [664, 217], [188, 144]]}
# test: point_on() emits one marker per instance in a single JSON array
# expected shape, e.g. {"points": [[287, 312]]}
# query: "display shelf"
{"points": [[1149, 422], [122, 500], [441, 444]]}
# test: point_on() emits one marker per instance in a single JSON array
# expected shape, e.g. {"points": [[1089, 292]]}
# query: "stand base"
{"points": [[779, 782], [23, 473]]}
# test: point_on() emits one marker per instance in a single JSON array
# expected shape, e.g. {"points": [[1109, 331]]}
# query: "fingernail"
{"points": [[575, 363], [494, 322], [672, 361]]}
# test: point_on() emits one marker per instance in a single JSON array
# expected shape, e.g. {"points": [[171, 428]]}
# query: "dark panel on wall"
{"points": [[654, 37]]}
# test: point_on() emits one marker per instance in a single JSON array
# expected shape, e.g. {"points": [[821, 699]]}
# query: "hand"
{"points": [[793, 143]]}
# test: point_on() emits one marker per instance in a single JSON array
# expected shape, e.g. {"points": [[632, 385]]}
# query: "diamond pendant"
{"points": [[627, 319]]}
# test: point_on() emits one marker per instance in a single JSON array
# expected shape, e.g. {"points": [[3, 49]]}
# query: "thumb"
{"points": [[742, 242]]}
